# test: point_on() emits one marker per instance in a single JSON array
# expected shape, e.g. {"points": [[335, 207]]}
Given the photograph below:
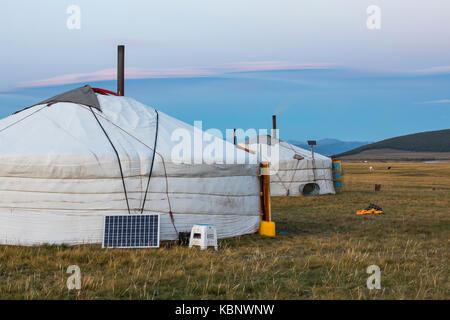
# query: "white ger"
{"points": [[67, 162], [294, 171]]}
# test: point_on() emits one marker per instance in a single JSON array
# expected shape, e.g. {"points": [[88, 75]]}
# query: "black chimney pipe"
{"points": [[121, 70], [274, 124]]}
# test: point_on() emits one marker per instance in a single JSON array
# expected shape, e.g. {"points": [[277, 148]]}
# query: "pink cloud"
{"points": [[273, 65], [141, 73], [110, 74], [434, 70], [436, 101]]}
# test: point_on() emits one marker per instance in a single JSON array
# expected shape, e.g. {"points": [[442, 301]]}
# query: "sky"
{"points": [[234, 63]]}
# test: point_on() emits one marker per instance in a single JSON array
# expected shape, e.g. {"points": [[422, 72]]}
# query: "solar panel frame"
{"points": [[124, 231]]}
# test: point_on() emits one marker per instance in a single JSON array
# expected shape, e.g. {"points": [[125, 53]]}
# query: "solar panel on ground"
{"points": [[131, 231]]}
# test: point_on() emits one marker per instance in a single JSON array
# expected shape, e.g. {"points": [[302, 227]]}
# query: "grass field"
{"points": [[324, 256], [396, 155]]}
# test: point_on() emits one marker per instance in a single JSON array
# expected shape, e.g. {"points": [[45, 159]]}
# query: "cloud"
{"points": [[5, 94], [436, 101], [434, 70], [273, 65], [142, 73], [110, 74]]}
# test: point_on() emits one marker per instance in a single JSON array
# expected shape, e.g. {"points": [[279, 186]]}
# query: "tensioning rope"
{"points": [[118, 159], [153, 160], [162, 160], [20, 120], [117, 154], [293, 174]]}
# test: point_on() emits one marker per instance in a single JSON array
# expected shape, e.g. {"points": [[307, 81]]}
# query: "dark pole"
{"points": [[312, 143], [234, 136], [313, 162], [274, 123], [121, 70]]}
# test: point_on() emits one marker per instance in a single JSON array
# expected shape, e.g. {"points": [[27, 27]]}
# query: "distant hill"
{"points": [[330, 147], [424, 142]]}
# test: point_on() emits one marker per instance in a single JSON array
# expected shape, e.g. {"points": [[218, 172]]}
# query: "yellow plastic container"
{"points": [[267, 228]]}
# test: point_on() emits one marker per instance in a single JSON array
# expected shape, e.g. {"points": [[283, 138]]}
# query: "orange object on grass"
{"points": [[369, 211]]}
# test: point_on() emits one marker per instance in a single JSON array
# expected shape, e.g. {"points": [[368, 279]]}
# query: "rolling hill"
{"points": [[424, 145], [329, 147]]}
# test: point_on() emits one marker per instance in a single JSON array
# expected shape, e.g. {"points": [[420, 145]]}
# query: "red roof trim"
{"points": [[104, 92]]}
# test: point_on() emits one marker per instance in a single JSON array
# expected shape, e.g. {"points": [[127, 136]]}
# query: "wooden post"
{"points": [[313, 163], [121, 70], [266, 191]]}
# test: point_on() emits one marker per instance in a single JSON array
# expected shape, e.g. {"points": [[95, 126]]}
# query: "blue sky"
{"points": [[234, 63]]}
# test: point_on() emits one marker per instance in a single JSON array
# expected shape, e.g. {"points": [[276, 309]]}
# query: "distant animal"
{"points": [[389, 168], [371, 168]]}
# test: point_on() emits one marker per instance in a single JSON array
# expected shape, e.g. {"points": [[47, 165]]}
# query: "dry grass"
{"points": [[325, 256], [396, 155]]}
